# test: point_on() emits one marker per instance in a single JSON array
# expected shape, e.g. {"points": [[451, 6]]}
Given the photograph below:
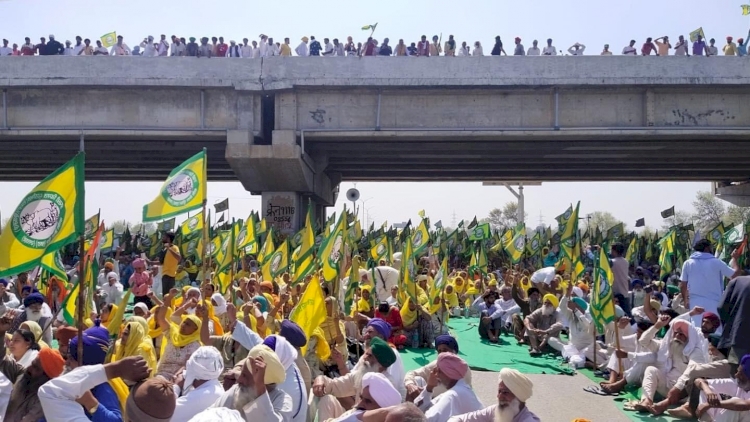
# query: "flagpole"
{"points": [[81, 300], [617, 340], [205, 241]]}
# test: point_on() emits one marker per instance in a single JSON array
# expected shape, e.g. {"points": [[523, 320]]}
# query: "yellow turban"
{"points": [[551, 298], [518, 384], [275, 373], [493, 282]]}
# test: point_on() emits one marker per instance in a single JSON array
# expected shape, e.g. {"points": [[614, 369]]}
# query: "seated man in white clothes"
{"points": [[506, 308], [256, 395], [198, 387], [580, 334], [513, 391], [377, 358], [458, 399], [416, 380], [723, 400], [377, 393]]}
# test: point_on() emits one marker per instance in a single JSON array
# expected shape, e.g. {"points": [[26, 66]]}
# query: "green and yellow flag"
{"points": [[441, 280], [380, 249], [107, 242], [192, 226], [568, 229], [480, 232], [351, 288], [408, 270], [694, 34], [515, 248], [166, 225], [265, 255], [716, 234], [48, 218], [52, 263], [602, 302], [310, 312], [745, 9], [108, 40], [667, 254], [370, 27], [332, 249], [420, 238], [632, 253], [183, 191], [246, 239], [91, 225], [303, 263], [278, 262]]}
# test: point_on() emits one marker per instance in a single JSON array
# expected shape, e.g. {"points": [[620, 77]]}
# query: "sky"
{"points": [[592, 23]]}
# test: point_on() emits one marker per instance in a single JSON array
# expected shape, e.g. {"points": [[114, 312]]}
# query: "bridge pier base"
{"points": [[287, 179]]}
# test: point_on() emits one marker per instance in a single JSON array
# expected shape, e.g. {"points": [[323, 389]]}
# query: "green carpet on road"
{"points": [[482, 355]]}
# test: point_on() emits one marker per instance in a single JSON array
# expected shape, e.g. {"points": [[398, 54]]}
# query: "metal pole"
{"points": [[81, 143], [5, 109], [521, 213]]}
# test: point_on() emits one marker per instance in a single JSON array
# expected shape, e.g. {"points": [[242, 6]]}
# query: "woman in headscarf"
{"points": [[451, 300], [136, 342], [417, 325], [220, 309], [141, 282], [262, 304], [37, 330], [179, 342], [23, 347], [106, 314], [392, 316]]}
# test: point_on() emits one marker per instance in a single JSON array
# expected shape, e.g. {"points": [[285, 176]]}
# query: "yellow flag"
{"points": [[265, 255], [92, 224], [310, 312], [108, 40], [332, 249], [278, 262], [380, 249], [407, 271], [303, 262], [52, 263], [183, 191], [48, 218], [745, 9], [192, 225], [420, 238], [246, 239], [107, 242]]}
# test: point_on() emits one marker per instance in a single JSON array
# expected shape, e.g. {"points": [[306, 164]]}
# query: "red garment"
{"points": [[221, 50], [423, 48], [393, 318], [647, 49]]}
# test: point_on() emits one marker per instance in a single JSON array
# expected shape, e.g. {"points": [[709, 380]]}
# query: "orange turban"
{"points": [[267, 284], [584, 286], [109, 266], [52, 361]]}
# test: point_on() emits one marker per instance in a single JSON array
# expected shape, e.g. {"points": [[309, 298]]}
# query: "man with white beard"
{"points": [[377, 358], [506, 308], [513, 391], [543, 324], [32, 311], [255, 395], [722, 400], [682, 344], [459, 397]]}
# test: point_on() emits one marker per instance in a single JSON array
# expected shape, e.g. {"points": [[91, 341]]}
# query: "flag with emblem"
{"points": [[225, 258], [632, 253], [577, 267], [478, 259], [380, 249], [716, 234], [331, 250], [246, 239], [91, 271], [47, 218], [351, 288], [568, 229], [90, 226], [107, 241], [52, 263], [516, 247], [192, 226], [421, 238], [602, 305], [303, 262], [615, 232], [108, 40], [408, 270], [480, 232], [441, 280], [694, 38], [183, 191], [268, 248], [166, 225], [666, 256], [734, 235], [278, 262]]}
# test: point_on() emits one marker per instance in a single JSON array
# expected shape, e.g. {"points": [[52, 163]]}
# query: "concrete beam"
{"points": [[738, 194]]}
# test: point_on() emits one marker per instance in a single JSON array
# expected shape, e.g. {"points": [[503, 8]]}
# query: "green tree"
{"points": [[505, 217], [603, 220], [737, 215], [647, 232], [679, 217], [709, 211]]}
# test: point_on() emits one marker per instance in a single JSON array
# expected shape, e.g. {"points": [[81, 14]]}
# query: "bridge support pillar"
{"points": [[738, 195], [287, 178]]}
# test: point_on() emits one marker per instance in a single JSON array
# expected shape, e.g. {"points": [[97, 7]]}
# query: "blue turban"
{"points": [[95, 345], [636, 281], [446, 340], [580, 302], [26, 289], [4, 282], [745, 365], [293, 333], [32, 299], [270, 341], [381, 326], [263, 303]]}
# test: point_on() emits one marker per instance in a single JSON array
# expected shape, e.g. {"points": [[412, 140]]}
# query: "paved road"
{"points": [[556, 398]]}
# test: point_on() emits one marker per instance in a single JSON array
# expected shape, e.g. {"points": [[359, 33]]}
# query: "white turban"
{"points": [[518, 384], [221, 304], [204, 364], [213, 414], [112, 274], [286, 353], [578, 291], [142, 306], [381, 390]]}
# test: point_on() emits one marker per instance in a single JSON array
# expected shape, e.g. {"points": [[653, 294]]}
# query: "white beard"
{"points": [[507, 413], [33, 316], [360, 372], [547, 310], [242, 396]]}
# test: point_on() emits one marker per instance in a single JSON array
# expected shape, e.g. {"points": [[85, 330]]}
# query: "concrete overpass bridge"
{"points": [[299, 126]]}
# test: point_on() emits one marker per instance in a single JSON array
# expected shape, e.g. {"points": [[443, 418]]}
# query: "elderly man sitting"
{"points": [[378, 357], [377, 393], [198, 387], [416, 380], [723, 400], [513, 391], [459, 397], [543, 324], [255, 395], [681, 345]]}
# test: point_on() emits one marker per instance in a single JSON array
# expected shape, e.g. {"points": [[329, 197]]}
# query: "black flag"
{"points": [[222, 206], [640, 222], [669, 212]]}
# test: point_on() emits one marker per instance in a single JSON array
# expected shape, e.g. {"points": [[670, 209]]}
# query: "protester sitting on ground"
{"points": [[416, 380], [135, 341], [636, 353], [721, 400], [506, 308], [378, 357], [490, 322], [417, 325], [531, 303], [25, 397], [392, 316], [181, 340], [152, 400], [543, 324], [458, 398], [293, 384], [377, 393], [198, 386], [513, 391], [580, 332]]}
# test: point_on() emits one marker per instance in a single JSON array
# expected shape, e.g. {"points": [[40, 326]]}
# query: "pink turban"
{"points": [[452, 366]]}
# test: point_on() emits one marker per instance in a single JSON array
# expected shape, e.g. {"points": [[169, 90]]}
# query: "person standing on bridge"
{"points": [[301, 49], [662, 48], [534, 49], [549, 50], [712, 49], [629, 49], [5, 50], [648, 47], [699, 46], [496, 50], [731, 48], [519, 50], [119, 49], [423, 47], [435, 49], [577, 49], [681, 49]]}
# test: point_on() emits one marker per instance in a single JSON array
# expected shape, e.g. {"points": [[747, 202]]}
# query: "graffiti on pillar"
{"points": [[319, 116], [281, 212]]}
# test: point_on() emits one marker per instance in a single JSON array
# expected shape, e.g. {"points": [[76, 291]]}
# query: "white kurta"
{"points": [[458, 400], [419, 378], [58, 396], [395, 373], [729, 387], [274, 406], [196, 400], [5, 388], [294, 386]]}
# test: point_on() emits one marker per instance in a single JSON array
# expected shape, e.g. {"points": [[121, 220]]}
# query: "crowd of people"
{"points": [[309, 46], [187, 352]]}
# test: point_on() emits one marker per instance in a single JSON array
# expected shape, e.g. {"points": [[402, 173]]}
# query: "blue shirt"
{"points": [[109, 404]]}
